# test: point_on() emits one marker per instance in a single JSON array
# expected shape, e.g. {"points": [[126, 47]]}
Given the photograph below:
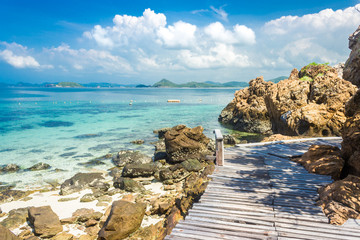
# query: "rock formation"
{"points": [[124, 219], [350, 146], [323, 159], [247, 111], [186, 143], [45, 222], [79, 181], [128, 156], [308, 103], [341, 199], [352, 65]]}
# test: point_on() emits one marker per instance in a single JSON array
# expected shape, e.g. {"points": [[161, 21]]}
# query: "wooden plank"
{"points": [[209, 234], [233, 218], [235, 207], [232, 211], [342, 233], [216, 226], [310, 234]]}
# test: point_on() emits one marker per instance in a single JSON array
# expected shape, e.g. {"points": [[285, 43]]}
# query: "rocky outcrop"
{"points": [[247, 111], [186, 143], [124, 219], [311, 103], [130, 157], [308, 103], [44, 221], [323, 159], [350, 146], [79, 182], [341, 199], [352, 65]]}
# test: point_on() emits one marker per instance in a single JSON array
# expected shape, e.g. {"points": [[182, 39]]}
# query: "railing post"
{"points": [[219, 143]]}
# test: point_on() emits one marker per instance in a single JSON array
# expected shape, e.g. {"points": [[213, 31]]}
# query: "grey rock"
{"points": [[138, 170], [39, 166], [9, 168], [128, 185], [127, 156], [79, 181]]}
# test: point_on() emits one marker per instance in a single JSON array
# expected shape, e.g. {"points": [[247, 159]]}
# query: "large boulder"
{"points": [[79, 182], [128, 185], [310, 102], [15, 218], [124, 219], [139, 170], [186, 143], [6, 234], [247, 111], [341, 199], [352, 65], [45, 222], [130, 157], [351, 136], [323, 159]]}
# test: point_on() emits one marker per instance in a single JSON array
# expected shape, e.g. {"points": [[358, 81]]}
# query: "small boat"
{"points": [[173, 100]]}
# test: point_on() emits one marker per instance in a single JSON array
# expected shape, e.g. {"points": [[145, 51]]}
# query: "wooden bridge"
{"points": [[260, 194]]}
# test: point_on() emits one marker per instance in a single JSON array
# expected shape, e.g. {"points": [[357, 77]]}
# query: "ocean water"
{"points": [[67, 127]]}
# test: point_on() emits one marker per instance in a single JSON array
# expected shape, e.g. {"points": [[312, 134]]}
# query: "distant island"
{"points": [[164, 83]]}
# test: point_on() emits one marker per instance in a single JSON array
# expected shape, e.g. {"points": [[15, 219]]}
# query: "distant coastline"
{"points": [[164, 83]]}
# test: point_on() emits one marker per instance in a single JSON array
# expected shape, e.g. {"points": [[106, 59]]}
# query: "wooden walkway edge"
{"points": [[260, 194]]}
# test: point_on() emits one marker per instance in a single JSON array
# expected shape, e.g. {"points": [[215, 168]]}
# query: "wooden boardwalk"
{"points": [[261, 194]]}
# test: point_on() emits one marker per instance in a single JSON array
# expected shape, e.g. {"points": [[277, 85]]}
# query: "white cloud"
{"points": [[128, 29], [181, 34], [324, 21], [319, 37], [19, 61], [220, 13], [90, 59], [221, 55], [240, 34], [18, 56]]}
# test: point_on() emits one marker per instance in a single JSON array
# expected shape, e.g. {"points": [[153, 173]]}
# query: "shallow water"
{"points": [[67, 127]]}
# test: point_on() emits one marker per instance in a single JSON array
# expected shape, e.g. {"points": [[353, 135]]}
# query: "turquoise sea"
{"points": [[67, 127]]}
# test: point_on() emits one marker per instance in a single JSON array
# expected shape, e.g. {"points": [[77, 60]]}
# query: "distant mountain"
{"points": [[164, 83], [142, 86], [278, 79], [68, 84]]}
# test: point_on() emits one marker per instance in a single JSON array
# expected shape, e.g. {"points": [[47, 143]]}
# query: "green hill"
{"points": [[68, 84], [165, 83]]}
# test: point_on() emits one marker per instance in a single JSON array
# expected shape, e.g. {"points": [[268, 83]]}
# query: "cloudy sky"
{"points": [[143, 41]]}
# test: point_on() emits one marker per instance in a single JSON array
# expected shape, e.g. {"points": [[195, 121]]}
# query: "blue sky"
{"points": [[145, 41]]}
